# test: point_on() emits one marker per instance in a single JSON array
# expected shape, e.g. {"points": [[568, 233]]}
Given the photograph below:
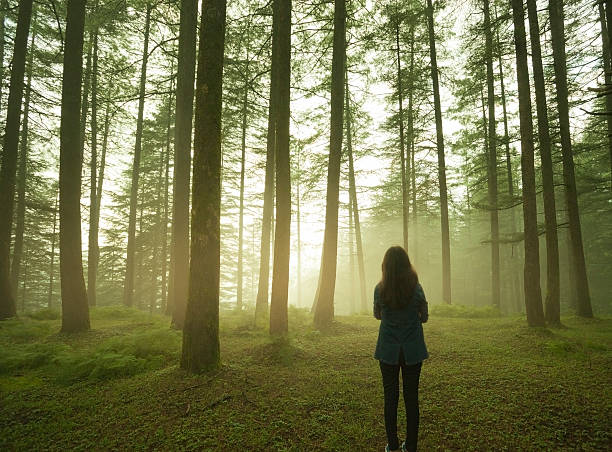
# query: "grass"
{"points": [[491, 384]]}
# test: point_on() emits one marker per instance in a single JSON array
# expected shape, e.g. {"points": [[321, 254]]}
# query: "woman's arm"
{"points": [[423, 308], [377, 312]]}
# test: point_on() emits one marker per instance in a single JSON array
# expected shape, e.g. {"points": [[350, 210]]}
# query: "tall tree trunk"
{"points": [[52, 263], [324, 310], [164, 261], [282, 231], [492, 161], [533, 294], [261, 304], [557, 30], [93, 255], [245, 106], [605, 48], [400, 101], [179, 255], [85, 99], [128, 285], [75, 310], [410, 154], [351, 271], [298, 180], [23, 169], [552, 303], [8, 167], [100, 182], [353, 198], [3, 11], [201, 331], [157, 229], [445, 228]]}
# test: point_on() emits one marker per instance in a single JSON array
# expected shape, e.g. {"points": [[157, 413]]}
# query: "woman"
{"points": [[399, 302]]}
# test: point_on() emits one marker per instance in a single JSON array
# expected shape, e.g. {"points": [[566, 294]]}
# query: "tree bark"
{"points": [[492, 161], [445, 228], [8, 168], [179, 255], [93, 254], [245, 107], [324, 310], [263, 285], [353, 199], [533, 294], [52, 263], [3, 11], [164, 261], [128, 285], [282, 230], [85, 99], [201, 332], [400, 101], [605, 48], [299, 230], [75, 310], [557, 30], [23, 169], [552, 302]]}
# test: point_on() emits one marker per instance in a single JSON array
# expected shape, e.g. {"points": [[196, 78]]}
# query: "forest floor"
{"points": [[490, 384]]}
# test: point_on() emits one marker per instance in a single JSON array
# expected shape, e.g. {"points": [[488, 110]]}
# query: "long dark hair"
{"points": [[399, 278]]}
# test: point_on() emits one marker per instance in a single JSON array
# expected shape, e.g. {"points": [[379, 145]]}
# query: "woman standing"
{"points": [[400, 304]]}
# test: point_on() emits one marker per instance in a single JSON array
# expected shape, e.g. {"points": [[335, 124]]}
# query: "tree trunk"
{"points": [[93, 254], [282, 230], [351, 272], [179, 255], [605, 48], [446, 266], [156, 234], [164, 261], [557, 30], [23, 169], [52, 264], [128, 286], [8, 169], [324, 310], [552, 304], [353, 198], [299, 231], [3, 11], [400, 101], [201, 331], [411, 175], [261, 304], [533, 294], [245, 106], [75, 310], [85, 99], [492, 161]]}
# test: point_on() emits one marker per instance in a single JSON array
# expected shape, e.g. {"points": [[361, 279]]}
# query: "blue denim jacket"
{"points": [[401, 329]]}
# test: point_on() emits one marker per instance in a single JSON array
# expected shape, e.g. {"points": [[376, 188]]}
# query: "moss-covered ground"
{"points": [[491, 384]]}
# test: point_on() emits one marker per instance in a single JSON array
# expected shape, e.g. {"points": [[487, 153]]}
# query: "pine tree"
{"points": [[201, 331], [75, 310], [8, 166]]}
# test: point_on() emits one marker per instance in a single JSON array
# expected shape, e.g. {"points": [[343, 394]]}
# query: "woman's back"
{"points": [[401, 328]]}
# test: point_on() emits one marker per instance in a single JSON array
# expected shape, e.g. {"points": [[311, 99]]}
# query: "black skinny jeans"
{"points": [[410, 379]]}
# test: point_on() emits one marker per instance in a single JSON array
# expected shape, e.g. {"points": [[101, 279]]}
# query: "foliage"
{"points": [[464, 312], [490, 384]]}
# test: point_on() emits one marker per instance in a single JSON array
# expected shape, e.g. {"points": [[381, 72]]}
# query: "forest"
{"points": [[196, 198]]}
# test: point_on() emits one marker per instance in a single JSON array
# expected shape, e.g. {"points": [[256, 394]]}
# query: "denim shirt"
{"points": [[401, 329]]}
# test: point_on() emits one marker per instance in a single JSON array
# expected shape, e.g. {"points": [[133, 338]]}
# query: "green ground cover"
{"points": [[491, 384]]}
